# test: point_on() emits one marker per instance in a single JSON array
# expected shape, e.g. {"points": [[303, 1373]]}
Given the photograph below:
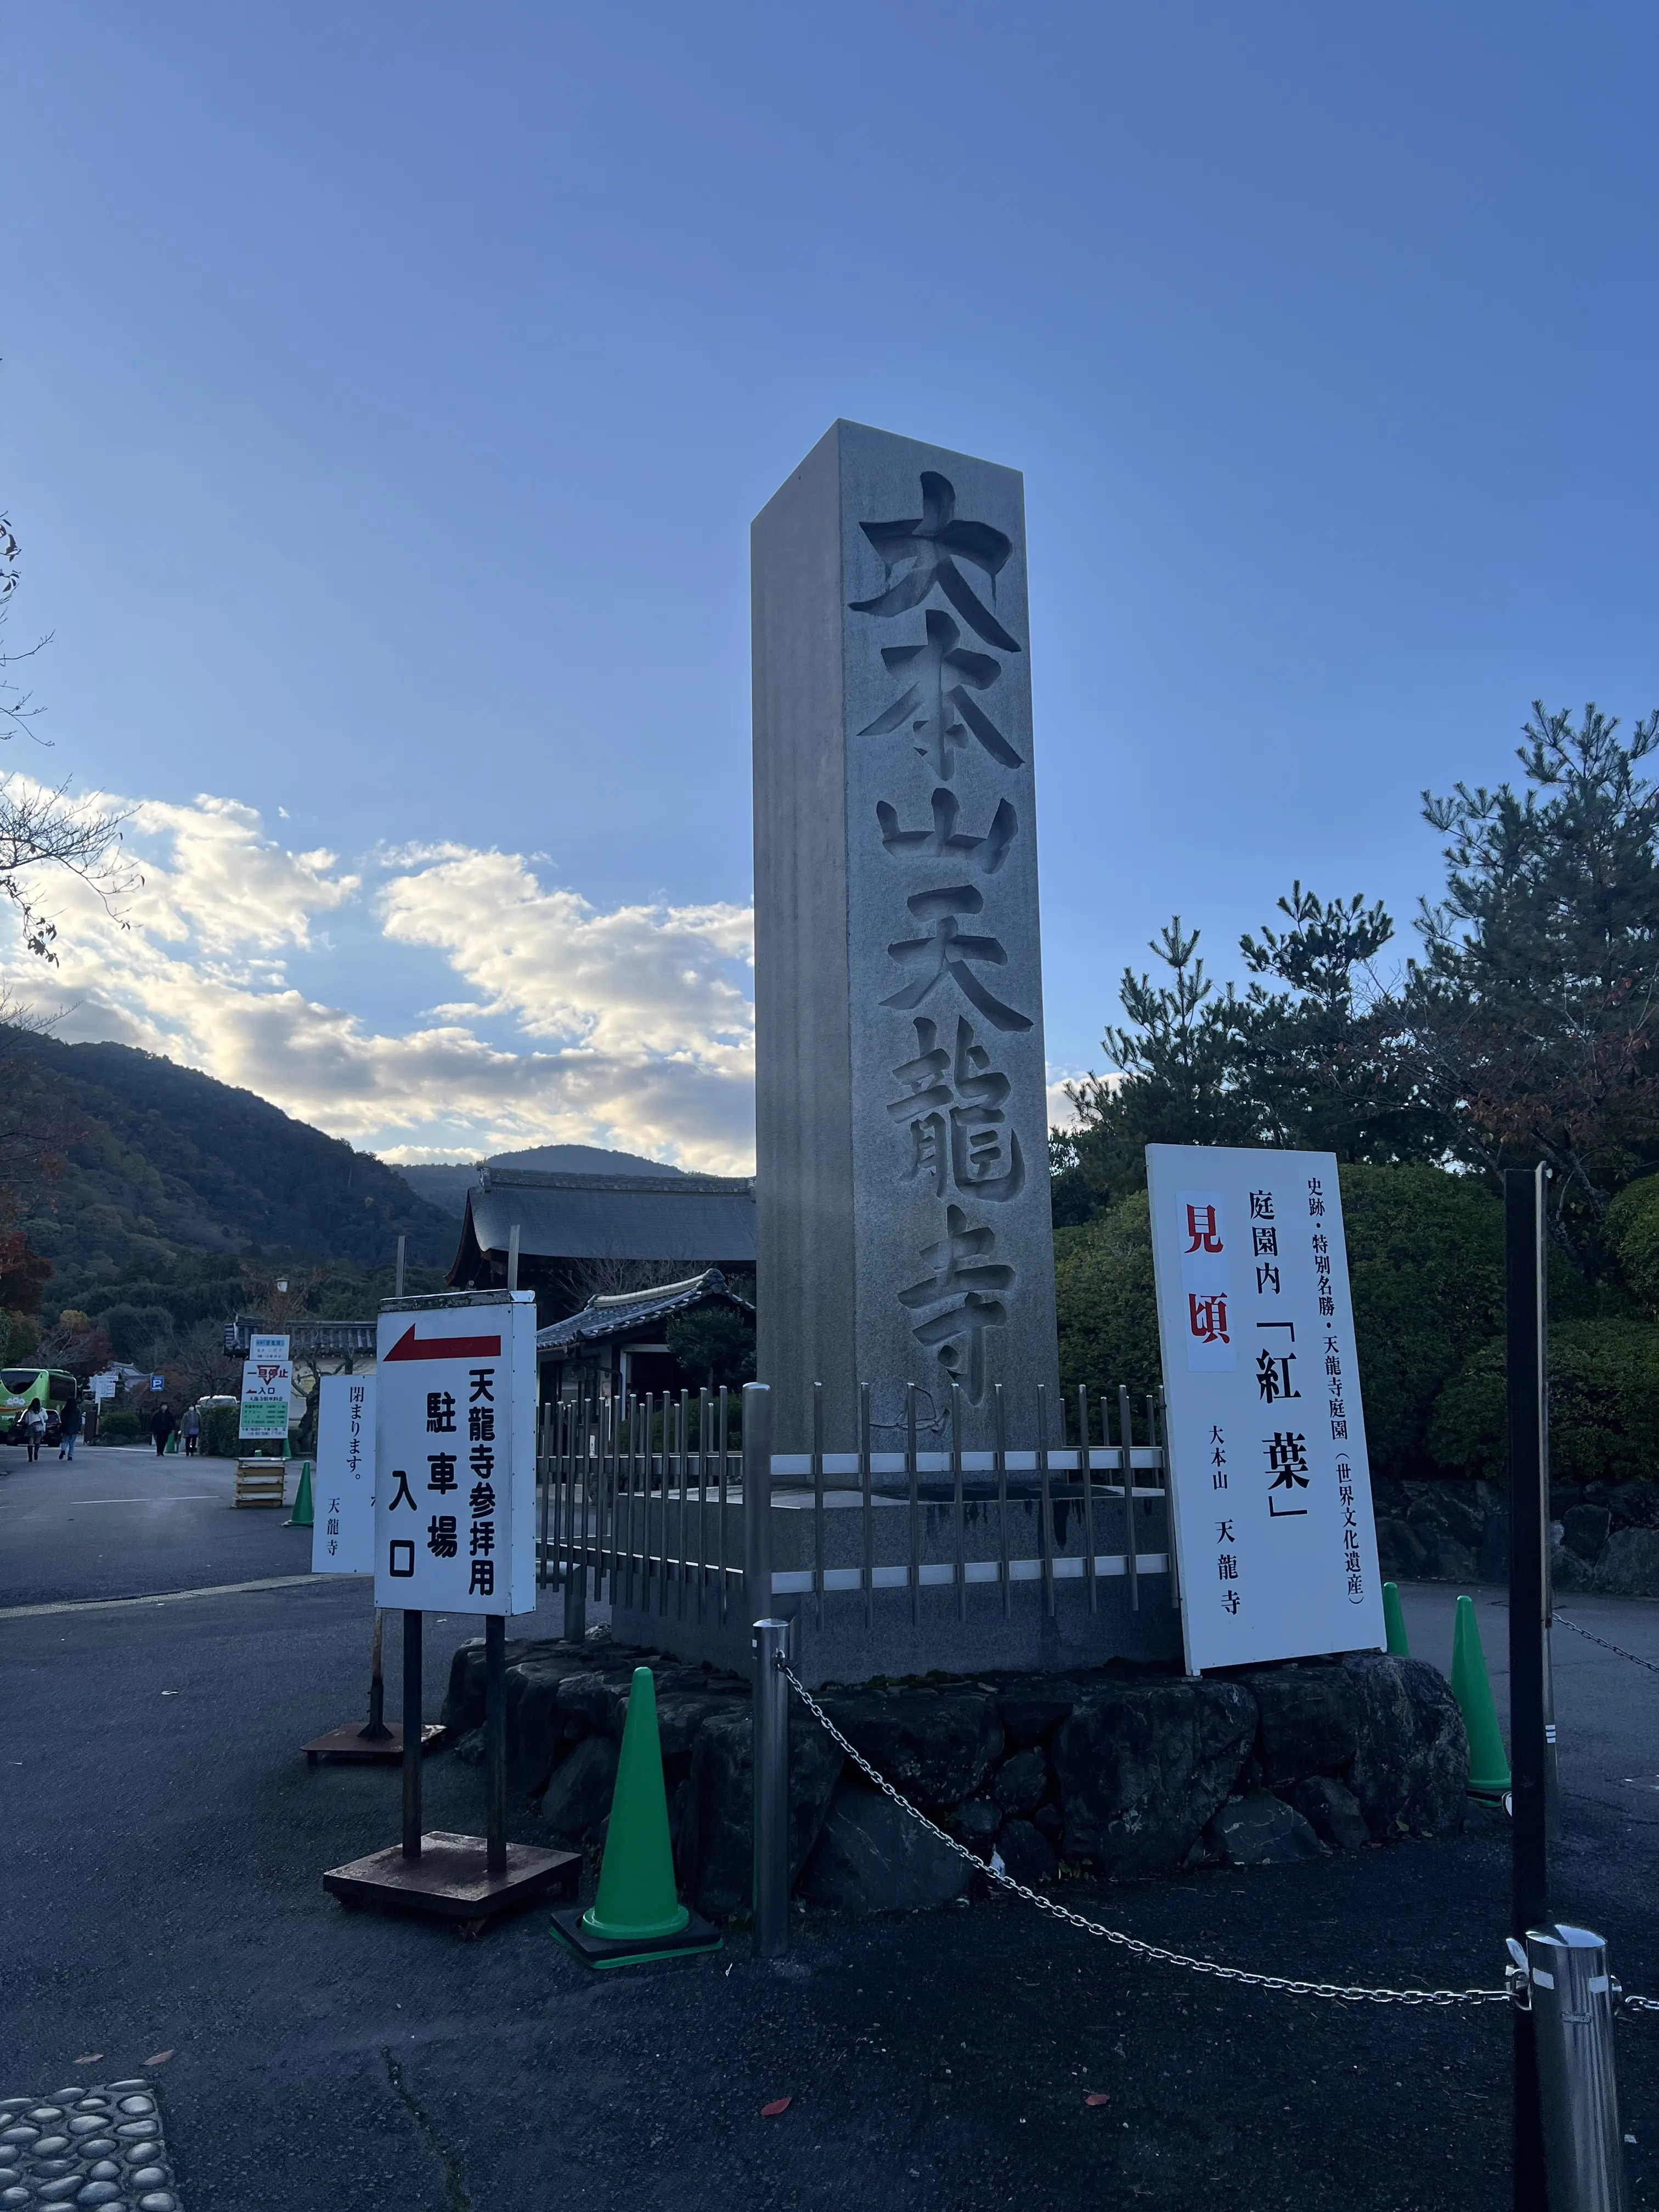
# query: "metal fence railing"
{"points": [[651, 1502]]}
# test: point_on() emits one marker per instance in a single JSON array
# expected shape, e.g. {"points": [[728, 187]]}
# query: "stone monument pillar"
{"points": [[902, 1106]]}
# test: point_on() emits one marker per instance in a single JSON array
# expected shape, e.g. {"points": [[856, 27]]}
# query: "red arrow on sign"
{"points": [[411, 1346]]}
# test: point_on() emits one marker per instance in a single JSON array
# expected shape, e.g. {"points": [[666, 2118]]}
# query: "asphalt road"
{"points": [[118, 1521], [161, 1842]]}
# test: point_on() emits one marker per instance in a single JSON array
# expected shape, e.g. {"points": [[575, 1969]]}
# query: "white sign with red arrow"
{"points": [[455, 1453]]}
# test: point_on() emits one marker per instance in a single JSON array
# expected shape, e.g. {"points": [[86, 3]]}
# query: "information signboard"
{"points": [[262, 1350], [267, 1386], [455, 1453], [343, 1532], [1274, 1533]]}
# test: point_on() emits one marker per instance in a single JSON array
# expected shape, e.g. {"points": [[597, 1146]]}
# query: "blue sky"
{"points": [[385, 393]]}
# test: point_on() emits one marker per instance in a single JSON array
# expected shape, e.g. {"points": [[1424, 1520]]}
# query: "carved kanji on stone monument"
{"points": [[902, 1089]]}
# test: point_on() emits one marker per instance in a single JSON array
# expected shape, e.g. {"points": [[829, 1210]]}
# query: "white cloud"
{"points": [[1062, 1114], [225, 886], [637, 1024], [653, 979]]}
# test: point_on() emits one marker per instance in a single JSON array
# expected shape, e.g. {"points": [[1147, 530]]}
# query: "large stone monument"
{"points": [[902, 1123]]}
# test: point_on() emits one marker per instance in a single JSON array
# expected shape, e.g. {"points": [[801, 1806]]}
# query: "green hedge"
{"points": [[1104, 1301], [219, 1426], [119, 1428], [1425, 1257], [1604, 1406]]}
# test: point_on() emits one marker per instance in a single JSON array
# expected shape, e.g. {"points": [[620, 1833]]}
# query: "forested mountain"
{"points": [[119, 1162]]}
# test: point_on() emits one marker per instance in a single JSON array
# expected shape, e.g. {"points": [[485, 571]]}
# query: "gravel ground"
{"points": [[159, 1854]]}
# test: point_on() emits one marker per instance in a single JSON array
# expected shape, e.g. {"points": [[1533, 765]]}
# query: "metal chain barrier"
{"points": [[1155, 1951], [1617, 1649], [1630, 2002]]}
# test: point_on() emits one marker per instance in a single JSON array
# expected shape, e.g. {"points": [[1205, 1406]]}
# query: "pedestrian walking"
{"points": [[69, 1426], [191, 1427], [161, 1425], [34, 1427]]}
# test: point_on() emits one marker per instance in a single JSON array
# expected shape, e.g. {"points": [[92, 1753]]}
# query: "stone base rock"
{"points": [[1027, 1854], [1261, 1830], [715, 1854], [1141, 1766], [873, 1857], [577, 1804], [1125, 1769], [1410, 1773], [1332, 1811]]}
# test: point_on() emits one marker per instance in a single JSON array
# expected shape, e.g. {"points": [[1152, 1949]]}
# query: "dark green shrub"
{"points": [[1104, 1296], [1425, 1260], [136, 1332], [1604, 1402], [1632, 1236], [119, 1428], [219, 1426], [714, 1345]]}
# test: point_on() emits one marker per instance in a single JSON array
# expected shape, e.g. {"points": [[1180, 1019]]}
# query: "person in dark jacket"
{"points": [[68, 1427], [161, 1425]]}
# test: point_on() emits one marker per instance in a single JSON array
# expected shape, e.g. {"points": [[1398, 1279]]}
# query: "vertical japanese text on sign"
{"points": [[1274, 1528], [455, 1453]]}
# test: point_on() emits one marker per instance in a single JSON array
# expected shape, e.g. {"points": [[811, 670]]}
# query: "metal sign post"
{"points": [[342, 1543], [1529, 1531], [455, 1531]]}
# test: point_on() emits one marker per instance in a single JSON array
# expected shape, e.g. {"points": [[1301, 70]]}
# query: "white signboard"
{"points": [[343, 1532], [266, 1385], [455, 1453], [262, 1350], [102, 1387], [1272, 1496]]}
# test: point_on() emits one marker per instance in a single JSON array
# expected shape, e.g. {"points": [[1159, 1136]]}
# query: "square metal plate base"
{"points": [[450, 1880], [599, 1950], [348, 1742]]}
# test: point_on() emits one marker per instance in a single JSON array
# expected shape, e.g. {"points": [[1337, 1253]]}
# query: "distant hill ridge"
{"points": [[157, 1158], [446, 1183], [149, 1162]]}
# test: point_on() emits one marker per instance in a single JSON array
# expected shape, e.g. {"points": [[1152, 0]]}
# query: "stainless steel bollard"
{"points": [[1571, 1995], [770, 1642]]}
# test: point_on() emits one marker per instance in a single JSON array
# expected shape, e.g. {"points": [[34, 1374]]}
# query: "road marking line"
{"points": [[171, 1597], [182, 1497]]}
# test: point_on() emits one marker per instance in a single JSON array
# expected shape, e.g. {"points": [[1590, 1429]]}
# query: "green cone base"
{"points": [[570, 1926], [670, 1924]]}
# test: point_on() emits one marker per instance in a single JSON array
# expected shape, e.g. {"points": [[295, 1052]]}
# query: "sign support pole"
{"points": [[377, 1731], [496, 1742], [1523, 1193], [412, 1624]]}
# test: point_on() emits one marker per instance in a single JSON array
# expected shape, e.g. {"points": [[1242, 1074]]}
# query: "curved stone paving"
{"points": [[100, 2147]]}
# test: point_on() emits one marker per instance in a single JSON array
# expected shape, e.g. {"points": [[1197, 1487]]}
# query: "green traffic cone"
{"points": [[1394, 1622], [303, 1516], [1489, 1769], [637, 1914]]}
